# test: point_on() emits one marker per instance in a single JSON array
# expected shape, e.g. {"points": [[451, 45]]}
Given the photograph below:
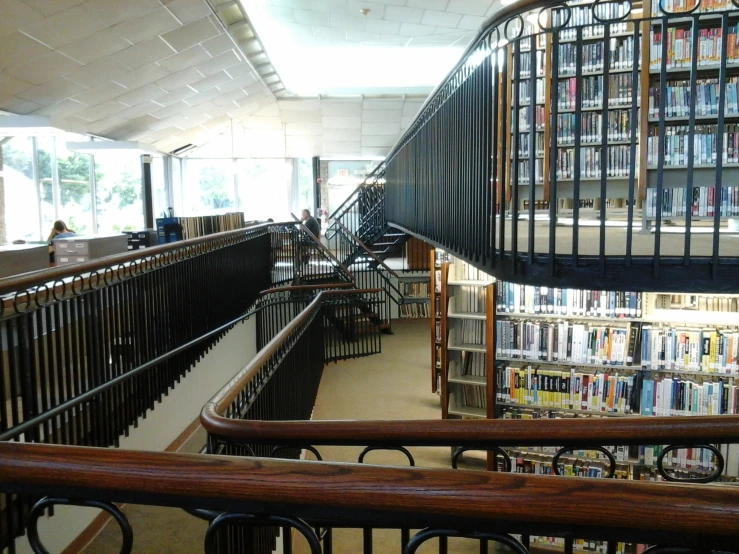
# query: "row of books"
{"points": [[701, 302], [524, 90], [678, 99], [527, 299], [582, 16], [198, 226], [677, 6], [469, 300], [567, 342], [524, 172], [618, 162], [569, 390], [702, 204], [472, 396], [525, 64], [579, 545], [523, 119], [414, 309], [680, 51], [707, 350], [614, 393], [591, 127], [620, 90], [676, 140], [473, 364], [465, 272], [684, 458], [524, 150], [417, 289], [591, 57], [470, 332]]}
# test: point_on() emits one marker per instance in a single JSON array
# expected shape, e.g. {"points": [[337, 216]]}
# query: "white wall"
{"points": [[162, 427]]}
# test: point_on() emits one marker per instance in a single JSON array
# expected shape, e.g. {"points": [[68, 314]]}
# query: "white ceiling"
{"points": [[399, 46], [329, 127], [169, 73]]}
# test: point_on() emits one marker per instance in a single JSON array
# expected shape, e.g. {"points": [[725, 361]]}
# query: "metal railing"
{"points": [[572, 144]]}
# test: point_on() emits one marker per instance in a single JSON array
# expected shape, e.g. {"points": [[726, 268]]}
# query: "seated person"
{"points": [[58, 231]]}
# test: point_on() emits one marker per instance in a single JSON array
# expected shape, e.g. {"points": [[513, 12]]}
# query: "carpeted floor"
{"points": [[393, 385]]}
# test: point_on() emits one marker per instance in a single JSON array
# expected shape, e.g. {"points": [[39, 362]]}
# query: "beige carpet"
{"points": [[393, 385]]}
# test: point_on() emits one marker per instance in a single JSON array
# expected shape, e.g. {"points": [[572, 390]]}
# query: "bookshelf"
{"points": [[416, 290]]}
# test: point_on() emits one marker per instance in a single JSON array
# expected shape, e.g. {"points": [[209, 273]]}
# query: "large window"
{"points": [[304, 191], [264, 189], [159, 187], [208, 187], [47, 204], [118, 192], [21, 196], [75, 187]]}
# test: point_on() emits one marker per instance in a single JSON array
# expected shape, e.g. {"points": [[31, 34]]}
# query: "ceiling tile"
{"points": [[112, 12], [219, 63], [293, 116], [191, 34], [373, 151], [441, 19], [341, 134], [382, 104], [185, 59], [342, 122], [175, 96], [387, 141], [97, 72], [469, 7], [136, 111], [333, 6], [347, 22], [144, 53], [101, 93], [17, 48], [262, 122], [361, 36], [16, 105], [303, 129], [301, 105], [239, 82], [179, 79], [332, 148], [376, 10], [439, 5], [309, 17], [43, 68], [102, 125], [188, 11], [339, 108], [327, 32], [205, 96], [62, 109], [95, 47], [218, 45], [211, 81], [63, 28], [471, 22], [15, 14], [51, 92], [50, 7], [148, 25], [101, 111], [11, 86], [143, 76], [280, 13], [378, 129], [380, 116], [402, 14], [141, 94], [384, 27], [239, 70], [413, 30], [411, 108], [169, 111]]}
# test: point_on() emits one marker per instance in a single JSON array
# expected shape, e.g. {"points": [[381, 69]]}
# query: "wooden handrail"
{"points": [[40, 277], [364, 247], [358, 494], [211, 415], [510, 432], [307, 287]]}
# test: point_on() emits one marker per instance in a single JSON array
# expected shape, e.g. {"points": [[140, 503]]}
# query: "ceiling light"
{"points": [[365, 11], [110, 146]]}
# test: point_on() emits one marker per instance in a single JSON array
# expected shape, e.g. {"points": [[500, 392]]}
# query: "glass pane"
{"points": [[264, 187], [208, 187], [45, 147], [118, 192], [177, 185], [75, 193], [305, 190], [159, 187], [21, 199]]}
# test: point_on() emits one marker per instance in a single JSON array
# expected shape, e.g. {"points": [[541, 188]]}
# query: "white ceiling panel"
{"points": [[220, 62], [379, 141], [102, 111], [211, 81], [139, 95], [185, 59], [64, 28], [392, 129], [17, 105], [383, 104], [291, 116], [15, 48], [191, 34], [113, 13], [341, 108], [188, 11], [218, 45], [403, 14], [471, 22], [101, 93], [143, 76], [95, 47], [438, 5], [341, 148], [382, 26], [342, 122], [440, 19], [97, 72], [50, 7], [469, 7], [148, 25], [303, 129], [180, 79], [341, 134], [143, 53], [380, 116], [51, 92], [42, 69]]}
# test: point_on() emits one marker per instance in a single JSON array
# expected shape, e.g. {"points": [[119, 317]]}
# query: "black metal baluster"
{"points": [[661, 140], [604, 148], [515, 146], [532, 145], [576, 170], [553, 139], [718, 204], [632, 141]]}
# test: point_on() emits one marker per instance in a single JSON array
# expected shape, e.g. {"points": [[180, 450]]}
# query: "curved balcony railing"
{"points": [[580, 143]]}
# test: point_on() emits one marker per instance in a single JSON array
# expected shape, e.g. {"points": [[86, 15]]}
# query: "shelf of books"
{"points": [[678, 140], [439, 264], [415, 290]]}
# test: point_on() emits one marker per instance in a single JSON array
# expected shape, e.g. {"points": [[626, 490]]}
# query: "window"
{"points": [[160, 200], [45, 146], [118, 192], [305, 192], [208, 187], [75, 196], [263, 189], [21, 196]]}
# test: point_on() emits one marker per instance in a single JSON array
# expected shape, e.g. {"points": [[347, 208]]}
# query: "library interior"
{"points": [[413, 276]]}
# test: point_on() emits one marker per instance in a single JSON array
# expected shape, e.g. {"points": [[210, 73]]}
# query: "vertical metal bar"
{"points": [[532, 144], [505, 88], [554, 136], [690, 173], [661, 140], [604, 148], [490, 152], [515, 145], [636, 37], [722, 78], [577, 161]]}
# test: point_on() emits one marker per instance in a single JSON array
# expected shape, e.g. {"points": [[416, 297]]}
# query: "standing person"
{"points": [[311, 223]]}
